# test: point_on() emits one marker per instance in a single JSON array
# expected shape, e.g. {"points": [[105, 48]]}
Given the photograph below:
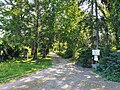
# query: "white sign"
{"points": [[96, 58], [95, 52]]}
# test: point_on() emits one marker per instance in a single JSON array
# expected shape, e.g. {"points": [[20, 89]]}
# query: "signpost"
{"points": [[96, 53]]}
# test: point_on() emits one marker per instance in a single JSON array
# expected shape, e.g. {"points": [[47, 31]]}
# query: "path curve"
{"points": [[62, 76]]}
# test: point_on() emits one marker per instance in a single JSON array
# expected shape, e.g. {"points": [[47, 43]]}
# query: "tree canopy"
{"points": [[60, 25]]}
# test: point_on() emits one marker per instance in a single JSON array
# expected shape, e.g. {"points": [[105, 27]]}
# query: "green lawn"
{"points": [[16, 68]]}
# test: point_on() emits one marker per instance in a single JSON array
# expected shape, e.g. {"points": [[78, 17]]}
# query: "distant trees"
{"points": [[26, 22], [64, 25]]}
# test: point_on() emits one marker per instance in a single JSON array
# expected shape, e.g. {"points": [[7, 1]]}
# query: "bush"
{"points": [[109, 67], [85, 58], [104, 51], [68, 53]]}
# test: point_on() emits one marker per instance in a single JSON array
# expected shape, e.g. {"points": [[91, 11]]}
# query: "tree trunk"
{"points": [[91, 31], [97, 25], [36, 33], [36, 42]]}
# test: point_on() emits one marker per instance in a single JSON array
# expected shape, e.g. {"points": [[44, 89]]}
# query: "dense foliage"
{"points": [[85, 58], [109, 66], [64, 26]]}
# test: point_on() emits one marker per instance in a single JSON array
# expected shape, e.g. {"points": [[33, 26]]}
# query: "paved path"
{"points": [[62, 76]]}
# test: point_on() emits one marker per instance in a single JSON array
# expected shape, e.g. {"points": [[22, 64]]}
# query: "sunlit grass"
{"points": [[19, 67]]}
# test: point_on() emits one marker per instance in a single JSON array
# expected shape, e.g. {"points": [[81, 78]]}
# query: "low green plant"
{"points": [[85, 58], [109, 66], [19, 67], [66, 54]]}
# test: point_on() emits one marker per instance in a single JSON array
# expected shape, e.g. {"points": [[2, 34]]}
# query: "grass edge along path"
{"points": [[15, 69]]}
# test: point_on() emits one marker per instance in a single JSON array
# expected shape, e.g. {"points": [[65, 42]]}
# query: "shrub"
{"points": [[85, 58], [68, 53], [109, 67]]}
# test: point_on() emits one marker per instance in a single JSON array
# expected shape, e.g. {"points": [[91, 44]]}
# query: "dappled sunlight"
{"points": [[18, 61], [28, 80], [31, 61], [66, 86], [87, 76], [54, 55], [21, 87], [97, 76], [19, 68], [47, 58], [34, 69], [62, 76], [90, 84]]}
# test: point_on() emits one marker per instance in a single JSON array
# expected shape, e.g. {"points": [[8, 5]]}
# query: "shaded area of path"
{"points": [[62, 76]]}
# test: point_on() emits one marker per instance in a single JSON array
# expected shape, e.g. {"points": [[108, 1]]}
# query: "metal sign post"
{"points": [[96, 53]]}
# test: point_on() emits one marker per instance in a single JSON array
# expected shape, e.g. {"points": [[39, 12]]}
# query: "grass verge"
{"points": [[17, 68]]}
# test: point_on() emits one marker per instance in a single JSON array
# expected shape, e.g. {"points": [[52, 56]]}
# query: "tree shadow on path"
{"points": [[62, 76]]}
